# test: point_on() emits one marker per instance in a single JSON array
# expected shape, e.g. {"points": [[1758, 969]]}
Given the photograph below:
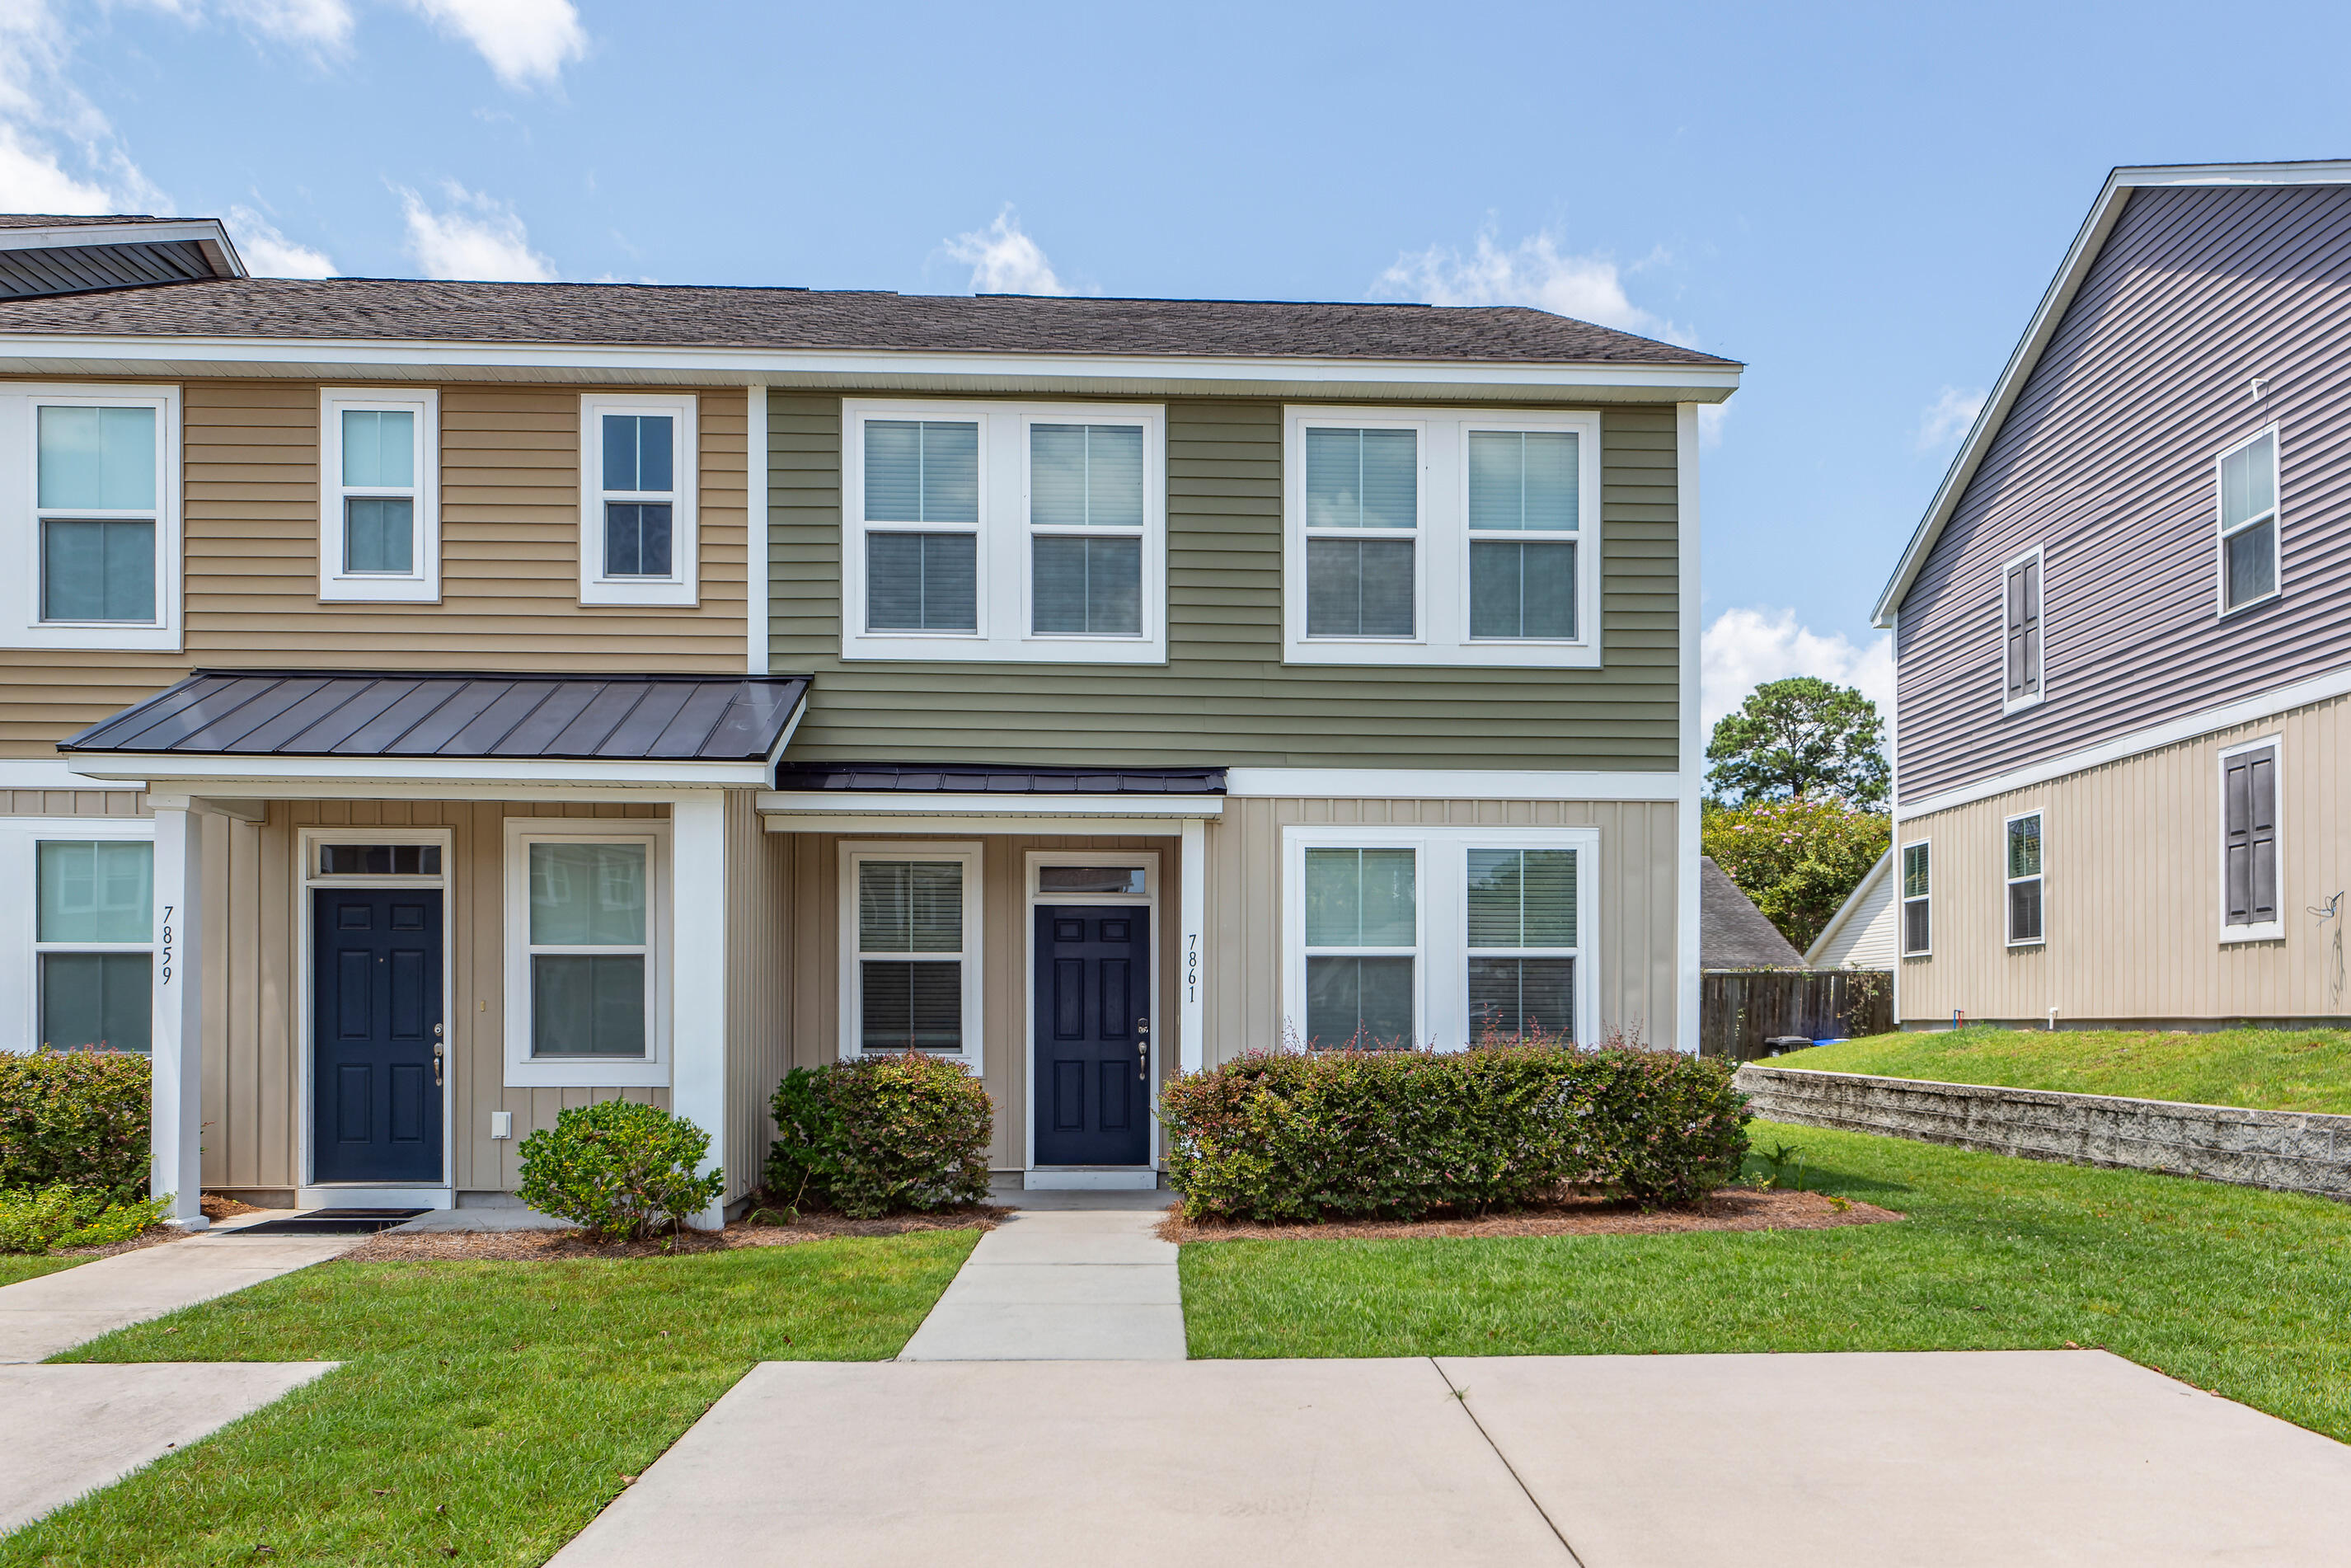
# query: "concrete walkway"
{"points": [[1931, 1460], [1073, 1282], [42, 1316]]}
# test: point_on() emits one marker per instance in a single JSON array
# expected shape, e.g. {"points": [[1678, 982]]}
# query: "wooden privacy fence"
{"points": [[1739, 1010]]}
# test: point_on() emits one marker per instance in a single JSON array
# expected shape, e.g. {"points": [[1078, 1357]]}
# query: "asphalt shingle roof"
{"points": [[1732, 934]]}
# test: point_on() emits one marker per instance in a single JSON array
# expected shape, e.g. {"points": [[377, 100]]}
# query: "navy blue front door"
{"points": [[375, 1020], [1092, 1009]]}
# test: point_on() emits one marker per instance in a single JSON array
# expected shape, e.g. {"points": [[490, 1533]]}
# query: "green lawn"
{"points": [[15, 1266], [496, 1406], [2267, 1069], [2233, 1289]]}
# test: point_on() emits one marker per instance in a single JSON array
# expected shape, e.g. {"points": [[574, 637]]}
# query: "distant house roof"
{"points": [[447, 716], [51, 255], [1732, 934], [680, 316], [1854, 902]]}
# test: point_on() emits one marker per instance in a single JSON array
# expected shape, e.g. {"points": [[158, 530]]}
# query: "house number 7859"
{"points": [[164, 972]]}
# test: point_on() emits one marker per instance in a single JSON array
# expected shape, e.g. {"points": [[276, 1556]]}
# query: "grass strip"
{"points": [[2261, 1069], [2229, 1287], [15, 1266], [484, 1411]]}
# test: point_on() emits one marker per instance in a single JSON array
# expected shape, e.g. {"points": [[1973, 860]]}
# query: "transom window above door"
{"points": [[1004, 531], [379, 494], [1435, 537], [96, 509], [638, 539]]}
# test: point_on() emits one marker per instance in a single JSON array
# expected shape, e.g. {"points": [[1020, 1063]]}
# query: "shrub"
{"points": [[40, 1219], [619, 1168], [1299, 1135], [75, 1117], [879, 1133]]}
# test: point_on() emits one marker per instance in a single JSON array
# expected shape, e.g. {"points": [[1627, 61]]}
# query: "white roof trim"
{"points": [[1862, 890], [2103, 213], [927, 803], [205, 232]]}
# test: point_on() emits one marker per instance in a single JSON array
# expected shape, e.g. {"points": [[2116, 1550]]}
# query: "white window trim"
{"points": [[1148, 899], [1903, 902], [1441, 914], [20, 944], [853, 995], [21, 625], [2275, 517], [422, 584], [2007, 882], [1004, 602], [523, 1069], [1441, 564], [2036, 556], [681, 586], [2267, 930]]}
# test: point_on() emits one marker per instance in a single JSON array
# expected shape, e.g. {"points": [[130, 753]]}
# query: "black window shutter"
{"points": [[2249, 844], [2032, 627], [2013, 631]]}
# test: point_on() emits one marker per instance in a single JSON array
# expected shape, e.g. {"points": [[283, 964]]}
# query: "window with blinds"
{"points": [[1917, 929], [1363, 491], [1363, 945], [95, 496], [911, 952], [1523, 498], [2248, 480], [2020, 631], [2249, 832], [1086, 527], [2025, 891], [1522, 943], [93, 931]]}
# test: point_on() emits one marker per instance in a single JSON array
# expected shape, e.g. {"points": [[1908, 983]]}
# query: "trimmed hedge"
{"points": [[879, 1133], [620, 1168], [1300, 1135], [75, 1118]]}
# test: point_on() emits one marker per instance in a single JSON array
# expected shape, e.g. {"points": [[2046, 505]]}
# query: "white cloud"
{"points": [[1710, 416], [525, 42], [1003, 260], [1744, 648], [321, 27], [58, 153], [31, 181], [1947, 418], [475, 237], [269, 254], [1532, 272]]}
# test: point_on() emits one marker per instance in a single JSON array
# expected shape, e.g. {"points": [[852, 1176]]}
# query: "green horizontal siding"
{"points": [[1224, 697]]}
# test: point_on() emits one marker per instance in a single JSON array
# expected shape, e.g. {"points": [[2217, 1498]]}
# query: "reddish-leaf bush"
{"points": [[1298, 1136], [879, 1133], [73, 1117]]}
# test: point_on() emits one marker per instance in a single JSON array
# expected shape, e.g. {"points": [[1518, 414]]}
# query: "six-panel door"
{"points": [[1093, 1012], [375, 1020]]}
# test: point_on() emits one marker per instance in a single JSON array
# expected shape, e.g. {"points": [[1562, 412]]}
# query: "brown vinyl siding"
{"points": [[2106, 460], [509, 558], [1225, 696], [758, 888], [2132, 896]]}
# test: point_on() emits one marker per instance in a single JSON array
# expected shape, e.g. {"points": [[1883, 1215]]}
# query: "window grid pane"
{"points": [[93, 1001], [1523, 589], [94, 569], [2248, 483], [1085, 475], [638, 450], [1523, 479], [378, 534], [1522, 996], [586, 1004], [1359, 588], [379, 448], [910, 906], [1359, 1003], [1360, 898], [910, 1005], [922, 470], [95, 891], [2025, 847], [587, 895], [636, 539], [1914, 871], [1087, 586], [1521, 898], [2252, 557], [99, 458], [922, 583], [1363, 478]]}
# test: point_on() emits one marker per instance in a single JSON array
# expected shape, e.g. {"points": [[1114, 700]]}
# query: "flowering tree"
{"points": [[1798, 859]]}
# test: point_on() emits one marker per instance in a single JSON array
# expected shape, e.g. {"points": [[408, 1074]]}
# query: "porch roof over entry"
{"points": [[254, 723]]}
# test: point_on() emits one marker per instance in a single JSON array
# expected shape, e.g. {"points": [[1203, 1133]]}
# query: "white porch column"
{"points": [[1192, 897], [698, 973], [177, 1117]]}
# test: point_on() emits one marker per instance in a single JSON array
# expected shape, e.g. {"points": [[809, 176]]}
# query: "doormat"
{"points": [[332, 1222]]}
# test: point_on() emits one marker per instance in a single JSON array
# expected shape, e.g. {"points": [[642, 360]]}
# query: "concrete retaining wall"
{"points": [[2291, 1151]]}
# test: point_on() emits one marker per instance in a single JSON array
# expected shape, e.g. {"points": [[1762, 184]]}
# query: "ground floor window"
{"points": [[587, 914], [910, 947], [2024, 880], [93, 933], [1403, 936]]}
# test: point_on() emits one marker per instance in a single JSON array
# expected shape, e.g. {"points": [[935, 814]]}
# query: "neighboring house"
{"points": [[1732, 933], [1860, 935], [429, 706], [2122, 631]]}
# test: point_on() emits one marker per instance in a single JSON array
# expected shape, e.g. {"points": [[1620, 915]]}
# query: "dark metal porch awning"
{"points": [[471, 716]]}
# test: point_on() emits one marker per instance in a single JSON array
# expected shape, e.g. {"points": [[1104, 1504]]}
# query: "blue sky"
{"points": [[1862, 202]]}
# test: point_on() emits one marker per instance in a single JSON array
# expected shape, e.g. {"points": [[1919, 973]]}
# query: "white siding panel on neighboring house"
{"points": [[1862, 935]]}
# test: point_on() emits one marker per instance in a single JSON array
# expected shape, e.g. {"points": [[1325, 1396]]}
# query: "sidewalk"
{"points": [[42, 1316], [1070, 1282]]}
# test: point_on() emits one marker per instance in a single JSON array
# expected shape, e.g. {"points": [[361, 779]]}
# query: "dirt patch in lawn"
{"points": [[1732, 1208], [540, 1246]]}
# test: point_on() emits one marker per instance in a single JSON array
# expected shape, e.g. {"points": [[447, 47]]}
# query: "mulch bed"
{"points": [[1732, 1208], [542, 1246]]}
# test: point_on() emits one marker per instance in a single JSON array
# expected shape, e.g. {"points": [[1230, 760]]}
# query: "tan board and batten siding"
{"points": [[509, 558], [1225, 696], [2132, 894]]}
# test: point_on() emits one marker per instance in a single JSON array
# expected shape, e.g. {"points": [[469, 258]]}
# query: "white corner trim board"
{"points": [[2212, 721], [1687, 934]]}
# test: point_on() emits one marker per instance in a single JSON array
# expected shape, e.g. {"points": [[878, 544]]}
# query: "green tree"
{"points": [[1798, 859], [1797, 738]]}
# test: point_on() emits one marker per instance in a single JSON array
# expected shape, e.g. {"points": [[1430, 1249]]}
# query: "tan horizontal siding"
{"points": [[509, 558], [73, 804]]}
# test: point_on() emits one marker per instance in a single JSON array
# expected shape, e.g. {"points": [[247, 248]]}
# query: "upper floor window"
{"points": [[2024, 880], [2020, 615], [1004, 531], [98, 511], [1917, 904], [379, 522], [2249, 834], [2248, 477], [1421, 535], [637, 489]]}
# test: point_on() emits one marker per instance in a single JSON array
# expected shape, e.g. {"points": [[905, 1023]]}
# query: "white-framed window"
{"points": [[93, 942], [1440, 537], [2246, 477], [1917, 899], [1414, 934], [2024, 852], [378, 494], [2020, 631], [94, 507], [910, 949], [587, 952], [1004, 531], [638, 462], [2249, 843]]}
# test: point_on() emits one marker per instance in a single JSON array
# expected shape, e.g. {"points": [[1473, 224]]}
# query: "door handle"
{"points": [[1142, 1056], [437, 1052]]}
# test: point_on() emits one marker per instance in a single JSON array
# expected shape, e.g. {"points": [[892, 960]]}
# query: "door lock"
{"points": [[437, 1053], [1142, 1058]]}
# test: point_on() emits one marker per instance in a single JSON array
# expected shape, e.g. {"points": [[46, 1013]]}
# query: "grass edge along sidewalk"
{"points": [[2257, 1069], [493, 1407], [2232, 1289]]}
